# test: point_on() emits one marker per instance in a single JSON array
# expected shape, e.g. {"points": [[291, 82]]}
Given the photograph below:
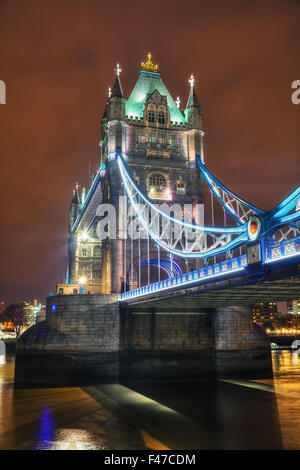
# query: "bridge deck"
{"points": [[224, 294]]}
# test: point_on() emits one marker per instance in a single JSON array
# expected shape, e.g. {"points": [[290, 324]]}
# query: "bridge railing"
{"points": [[203, 274], [271, 252], [281, 250]]}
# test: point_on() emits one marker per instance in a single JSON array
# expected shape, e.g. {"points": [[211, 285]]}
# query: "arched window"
{"points": [[84, 252], [161, 118], [180, 186], [151, 116], [158, 182], [97, 251]]}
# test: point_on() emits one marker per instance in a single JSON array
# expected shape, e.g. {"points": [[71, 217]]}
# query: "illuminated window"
{"points": [[180, 187], [158, 182]]}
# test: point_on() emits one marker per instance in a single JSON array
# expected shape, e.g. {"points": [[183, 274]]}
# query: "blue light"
{"points": [[45, 428], [164, 264], [53, 307]]}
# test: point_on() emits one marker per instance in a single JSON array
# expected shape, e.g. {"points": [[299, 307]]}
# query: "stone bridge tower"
{"points": [[88, 339], [160, 142]]}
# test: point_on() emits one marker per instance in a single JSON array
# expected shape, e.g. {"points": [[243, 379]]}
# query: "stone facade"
{"points": [[241, 345]]}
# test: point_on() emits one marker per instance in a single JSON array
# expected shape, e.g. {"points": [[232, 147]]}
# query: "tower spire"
{"points": [[117, 90], [192, 99]]}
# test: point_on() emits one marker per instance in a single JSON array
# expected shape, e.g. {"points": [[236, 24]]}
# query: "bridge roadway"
{"points": [[220, 294], [278, 282]]}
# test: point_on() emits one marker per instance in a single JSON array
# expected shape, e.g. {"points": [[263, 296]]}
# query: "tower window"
{"points": [[172, 141], [97, 251], [161, 118], [151, 116], [84, 252], [158, 182], [180, 187]]}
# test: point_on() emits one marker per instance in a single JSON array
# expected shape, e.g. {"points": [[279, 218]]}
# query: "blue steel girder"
{"points": [[239, 209], [220, 238], [244, 213], [282, 215], [271, 221]]}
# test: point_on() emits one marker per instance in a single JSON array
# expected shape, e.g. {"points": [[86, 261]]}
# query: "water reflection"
{"points": [[237, 414], [2, 352], [296, 358], [286, 366], [46, 427]]}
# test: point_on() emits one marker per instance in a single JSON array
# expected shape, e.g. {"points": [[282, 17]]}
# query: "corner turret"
{"points": [[74, 206], [193, 109], [115, 104], [193, 115]]}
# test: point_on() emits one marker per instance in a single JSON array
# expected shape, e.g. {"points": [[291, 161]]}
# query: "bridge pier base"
{"points": [[92, 339], [242, 347]]}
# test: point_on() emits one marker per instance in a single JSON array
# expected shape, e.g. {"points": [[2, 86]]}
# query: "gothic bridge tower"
{"points": [[160, 141]]}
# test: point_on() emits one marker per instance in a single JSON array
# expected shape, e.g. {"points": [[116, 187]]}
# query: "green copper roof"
{"points": [[147, 83]]}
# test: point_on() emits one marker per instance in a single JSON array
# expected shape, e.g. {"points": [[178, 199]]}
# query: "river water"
{"points": [[227, 414]]}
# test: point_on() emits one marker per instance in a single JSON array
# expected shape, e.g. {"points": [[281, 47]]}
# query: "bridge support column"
{"points": [[242, 347], [116, 265]]}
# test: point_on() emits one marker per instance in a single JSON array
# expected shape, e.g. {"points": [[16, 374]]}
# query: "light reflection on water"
{"points": [[286, 367], [227, 415]]}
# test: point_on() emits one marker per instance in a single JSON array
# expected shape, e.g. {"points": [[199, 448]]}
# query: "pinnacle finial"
{"points": [[177, 102], [118, 70], [149, 66], [109, 92], [192, 80]]}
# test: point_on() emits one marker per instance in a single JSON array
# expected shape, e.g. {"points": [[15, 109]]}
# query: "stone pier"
{"points": [[95, 339], [241, 346]]}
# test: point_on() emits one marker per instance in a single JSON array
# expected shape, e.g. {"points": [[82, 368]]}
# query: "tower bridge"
{"points": [[173, 300]]}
